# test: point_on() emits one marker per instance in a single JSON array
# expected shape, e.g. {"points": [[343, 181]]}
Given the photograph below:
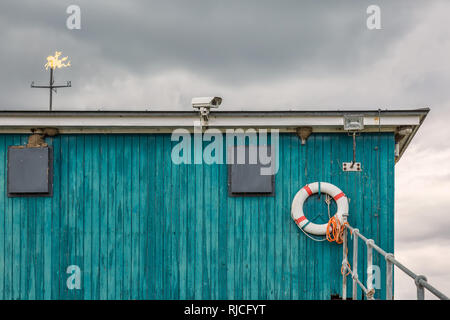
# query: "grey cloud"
{"points": [[231, 41], [231, 44]]}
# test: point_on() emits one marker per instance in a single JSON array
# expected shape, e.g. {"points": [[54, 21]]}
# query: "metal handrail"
{"points": [[419, 280]]}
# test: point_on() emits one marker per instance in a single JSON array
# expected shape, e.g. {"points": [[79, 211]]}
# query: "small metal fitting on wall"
{"points": [[204, 116]]}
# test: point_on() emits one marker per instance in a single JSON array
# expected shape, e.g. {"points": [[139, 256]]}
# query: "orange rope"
{"points": [[335, 230], [335, 233], [349, 268]]}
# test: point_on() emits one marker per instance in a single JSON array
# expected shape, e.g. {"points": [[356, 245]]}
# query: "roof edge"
{"points": [[89, 121]]}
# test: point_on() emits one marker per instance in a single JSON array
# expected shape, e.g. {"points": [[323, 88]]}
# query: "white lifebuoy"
{"points": [[300, 198]]}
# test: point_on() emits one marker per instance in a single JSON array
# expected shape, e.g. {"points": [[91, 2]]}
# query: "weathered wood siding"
{"points": [[140, 227]]}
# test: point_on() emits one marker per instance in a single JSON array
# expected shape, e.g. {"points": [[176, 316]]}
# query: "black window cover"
{"points": [[30, 171], [245, 179]]}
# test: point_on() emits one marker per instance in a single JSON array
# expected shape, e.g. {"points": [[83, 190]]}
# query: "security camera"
{"points": [[206, 102]]}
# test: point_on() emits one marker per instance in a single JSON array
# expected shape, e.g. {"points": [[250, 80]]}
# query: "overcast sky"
{"points": [[258, 54]]}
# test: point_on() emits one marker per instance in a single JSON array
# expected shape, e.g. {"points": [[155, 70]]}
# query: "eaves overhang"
{"points": [[404, 123]]}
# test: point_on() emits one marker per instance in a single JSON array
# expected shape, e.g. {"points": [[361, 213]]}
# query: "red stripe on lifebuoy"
{"points": [[308, 189], [302, 218], [338, 196]]}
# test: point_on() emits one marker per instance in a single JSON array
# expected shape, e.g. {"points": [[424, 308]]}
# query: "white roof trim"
{"points": [[92, 120]]}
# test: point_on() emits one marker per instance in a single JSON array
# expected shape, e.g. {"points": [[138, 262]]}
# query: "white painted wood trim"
{"points": [[95, 121]]}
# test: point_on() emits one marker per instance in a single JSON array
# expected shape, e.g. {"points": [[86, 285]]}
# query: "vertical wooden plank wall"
{"points": [[140, 227]]}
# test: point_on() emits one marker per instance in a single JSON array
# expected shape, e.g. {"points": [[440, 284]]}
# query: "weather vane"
{"points": [[54, 62]]}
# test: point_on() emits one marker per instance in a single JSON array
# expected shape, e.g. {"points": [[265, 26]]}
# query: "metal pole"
{"points": [[51, 88], [344, 259], [420, 287], [433, 290], [389, 276], [355, 264], [369, 265], [354, 148], [344, 267]]}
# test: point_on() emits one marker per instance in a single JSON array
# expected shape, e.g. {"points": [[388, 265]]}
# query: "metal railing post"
{"points": [[420, 280], [355, 264], [420, 287], [344, 267], [369, 243], [389, 276], [344, 258]]}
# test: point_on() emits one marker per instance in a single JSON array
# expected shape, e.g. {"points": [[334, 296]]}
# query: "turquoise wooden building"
{"points": [[132, 224]]}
